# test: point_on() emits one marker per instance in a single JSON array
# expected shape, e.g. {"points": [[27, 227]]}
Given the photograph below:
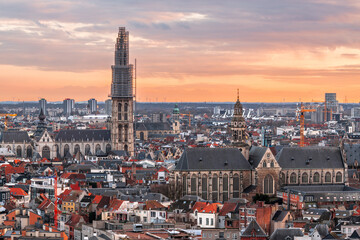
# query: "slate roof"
{"points": [[159, 126], [14, 136], [75, 135], [212, 159], [279, 215], [310, 158], [253, 227], [283, 233], [256, 154], [352, 154]]}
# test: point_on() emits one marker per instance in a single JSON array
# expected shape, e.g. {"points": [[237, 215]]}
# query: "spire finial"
{"points": [[238, 94]]}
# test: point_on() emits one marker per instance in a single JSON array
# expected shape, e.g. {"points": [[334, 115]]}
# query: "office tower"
{"points": [[43, 104], [108, 107], [69, 105], [332, 105], [122, 130], [92, 105]]}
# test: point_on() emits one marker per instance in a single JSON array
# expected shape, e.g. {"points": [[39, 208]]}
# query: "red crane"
{"points": [[302, 122]]}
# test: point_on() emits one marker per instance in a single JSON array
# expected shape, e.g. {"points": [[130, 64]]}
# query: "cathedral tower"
{"points": [[122, 121], [239, 136]]}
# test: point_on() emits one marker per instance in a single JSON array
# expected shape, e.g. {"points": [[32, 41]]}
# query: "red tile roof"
{"points": [[228, 207], [97, 199], [211, 208], [17, 192], [115, 204], [198, 206], [153, 204]]}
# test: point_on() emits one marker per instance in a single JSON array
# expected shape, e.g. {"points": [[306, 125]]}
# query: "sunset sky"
{"points": [[273, 51]]}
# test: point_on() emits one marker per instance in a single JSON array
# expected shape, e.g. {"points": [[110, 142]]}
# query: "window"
{"points": [[264, 164], [153, 214], [215, 188], [272, 164], [225, 187], [338, 177], [268, 184], [207, 221], [327, 177], [204, 187], [316, 177], [293, 178], [304, 178], [200, 221], [212, 222], [193, 185], [236, 186]]}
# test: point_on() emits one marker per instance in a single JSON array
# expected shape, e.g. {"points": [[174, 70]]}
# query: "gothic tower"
{"points": [[239, 137], [122, 127]]}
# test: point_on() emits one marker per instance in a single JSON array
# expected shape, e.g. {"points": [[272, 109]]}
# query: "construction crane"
{"points": [[189, 115], [301, 112], [6, 117]]}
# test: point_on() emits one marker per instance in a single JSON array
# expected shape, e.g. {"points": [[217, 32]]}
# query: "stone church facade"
{"points": [[219, 174]]}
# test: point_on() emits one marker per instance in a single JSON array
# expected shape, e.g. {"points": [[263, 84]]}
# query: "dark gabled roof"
{"points": [[279, 215], [183, 205], [159, 126], [212, 159], [355, 234], [255, 228], [14, 136], [119, 153], [284, 233], [256, 154], [352, 154], [310, 158], [83, 135]]}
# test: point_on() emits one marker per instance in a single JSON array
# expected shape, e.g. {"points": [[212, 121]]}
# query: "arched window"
{"points": [[184, 185], [225, 187], [327, 177], [204, 187], [126, 148], [66, 149], [76, 148], [18, 151], [108, 148], [215, 187], [236, 186], [119, 111], [338, 177], [272, 164], [293, 178], [120, 133], [316, 178], [87, 149], [97, 148], [193, 184], [46, 152], [264, 164], [268, 184], [304, 178], [282, 178], [126, 133], [29, 152]]}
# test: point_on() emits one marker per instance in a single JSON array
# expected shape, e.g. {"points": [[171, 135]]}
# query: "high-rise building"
{"points": [[69, 105], [43, 104], [108, 107], [355, 112], [122, 130], [92, 105], [332, 105]]}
